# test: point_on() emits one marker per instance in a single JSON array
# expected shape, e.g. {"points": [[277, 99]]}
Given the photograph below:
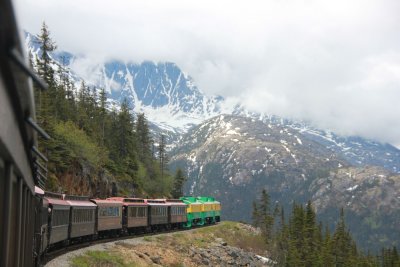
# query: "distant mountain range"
{"points": [[231, 153]]}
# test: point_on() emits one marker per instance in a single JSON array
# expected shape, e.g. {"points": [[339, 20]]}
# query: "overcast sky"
{"points": [[336, 62]]}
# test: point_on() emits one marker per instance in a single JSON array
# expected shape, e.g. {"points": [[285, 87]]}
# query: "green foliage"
{"points": [[302, 241], [85, 133], [78, 145], [179, 180], [100, 258], [262, 215]]}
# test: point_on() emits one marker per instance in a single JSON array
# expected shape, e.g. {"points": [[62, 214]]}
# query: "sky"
{"points": [[333, 63]]}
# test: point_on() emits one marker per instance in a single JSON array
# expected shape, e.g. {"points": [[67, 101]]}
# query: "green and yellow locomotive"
{"points": [[202, 210]]}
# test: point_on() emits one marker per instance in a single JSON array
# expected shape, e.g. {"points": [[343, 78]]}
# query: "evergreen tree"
{"points": [[266, 218], [344, 250], [45, 99], [162, 155], [311, 244], [179, 180], [47, 45], [144, 142], [255, 215], [102, 114], [125, 132]]}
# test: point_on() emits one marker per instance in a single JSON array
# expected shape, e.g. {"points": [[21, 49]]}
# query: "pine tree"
{"points": [[343, 246], [46, 47], [125, 131], [162, 155], [46, 105], [311, 244], [179, 180], [266, 218], [326, 252], [255, 216], [144, 142], [102, 115]]}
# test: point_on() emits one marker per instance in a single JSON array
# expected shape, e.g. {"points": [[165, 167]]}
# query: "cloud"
{"points": [[335, 63]]}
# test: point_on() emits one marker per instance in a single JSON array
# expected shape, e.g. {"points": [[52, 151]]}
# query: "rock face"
{"points": [[233, 158], [224, 255]]}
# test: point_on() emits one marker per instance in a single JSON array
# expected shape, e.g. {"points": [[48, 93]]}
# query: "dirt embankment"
{"points": [[226, 244]]}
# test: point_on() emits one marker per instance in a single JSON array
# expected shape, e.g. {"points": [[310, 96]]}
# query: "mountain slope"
{"points": [[233, 158]]}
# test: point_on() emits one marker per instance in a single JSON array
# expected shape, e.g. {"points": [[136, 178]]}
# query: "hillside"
{"points": [[225, 244], [233, 158]]}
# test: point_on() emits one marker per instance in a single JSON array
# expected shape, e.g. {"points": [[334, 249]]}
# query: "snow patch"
{"points": [[298, 140], [352, 188]]}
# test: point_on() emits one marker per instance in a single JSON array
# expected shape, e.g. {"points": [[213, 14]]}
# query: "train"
{"points": [[65, 219], [33, 221]]}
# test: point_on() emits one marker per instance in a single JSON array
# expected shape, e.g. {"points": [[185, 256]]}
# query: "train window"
{"points": [[141, 212], [111, 212], [60, 217], [83, 215], [132, 211]]}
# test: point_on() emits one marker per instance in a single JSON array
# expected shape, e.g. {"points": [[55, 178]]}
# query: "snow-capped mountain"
{"points": [[167, 95]]}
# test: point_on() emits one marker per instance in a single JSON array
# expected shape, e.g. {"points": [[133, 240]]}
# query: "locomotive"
{"points": [[66, 219]]}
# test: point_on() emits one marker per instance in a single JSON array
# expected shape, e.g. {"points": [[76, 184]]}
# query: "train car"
{"points": [[195, 214], [158, 213], [176, 212], [108, 216], [19, 155], [211, 209], [135, 214], [82, 217], [59, 217]]}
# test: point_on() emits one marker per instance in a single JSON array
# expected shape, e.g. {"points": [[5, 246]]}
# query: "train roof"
{"points": [[157, 202], [128, 201], [175, 202], [39, 191], [81, 203], [56, 201], [106, 202]]}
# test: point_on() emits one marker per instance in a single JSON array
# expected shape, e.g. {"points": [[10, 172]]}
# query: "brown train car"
{"points": [[59, 217], [82, 218], [135, 213], [158, 212], [176, 212], [109, 214]]}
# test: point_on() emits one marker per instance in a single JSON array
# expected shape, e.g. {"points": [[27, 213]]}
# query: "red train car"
{"points": [[135, 213], [108, 215], [82, 218], [158, 213], [177, 212]]}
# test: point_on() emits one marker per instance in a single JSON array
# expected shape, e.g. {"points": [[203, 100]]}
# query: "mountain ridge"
{"points": [[233, 158]]}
